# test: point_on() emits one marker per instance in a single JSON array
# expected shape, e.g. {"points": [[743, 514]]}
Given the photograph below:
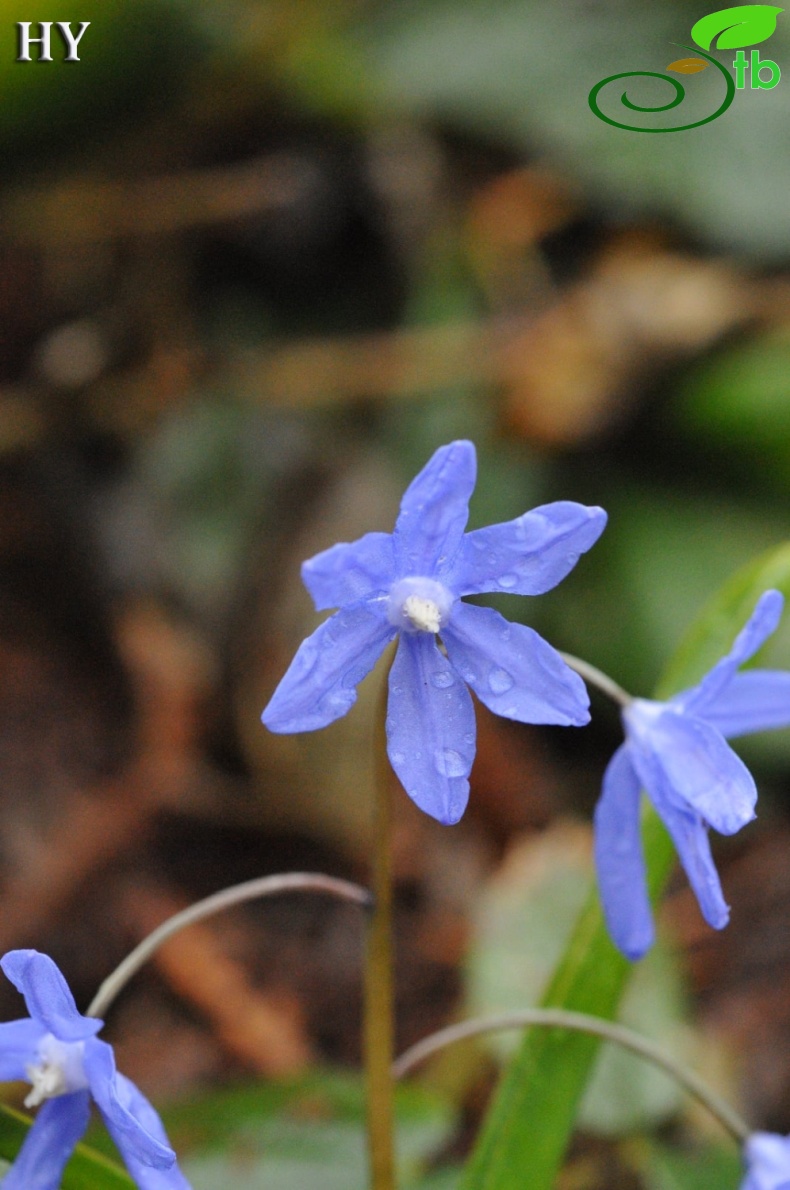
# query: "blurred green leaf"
{"points": [[528, 1127], [740, 399], [521, 929], [724, 615], [707, 1169], [306, 1135], [654, 531]]}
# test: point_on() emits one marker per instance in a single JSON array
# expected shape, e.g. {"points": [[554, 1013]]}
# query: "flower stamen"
{"points": [[419, 604], [424, 614]]}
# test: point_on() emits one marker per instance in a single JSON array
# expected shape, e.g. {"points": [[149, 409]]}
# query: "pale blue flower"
{"points": [[56, 1050], [410, 582], [767, 1162], [677, 752]]}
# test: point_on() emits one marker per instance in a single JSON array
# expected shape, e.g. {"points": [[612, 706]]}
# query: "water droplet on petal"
{"points": [[505, 633], [450, 763], [508, 581], [442, 679], [397, 757], [500, 681]]}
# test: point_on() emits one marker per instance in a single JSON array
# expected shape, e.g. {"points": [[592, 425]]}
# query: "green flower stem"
{"points": [[378, 1012], [598, 678], [580, 1022], [264, 886]]}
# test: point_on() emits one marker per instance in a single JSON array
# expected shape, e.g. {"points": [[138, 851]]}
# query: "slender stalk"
{"points": [[264, 886], [559, 1018], [598, 678], [378, 1013]]}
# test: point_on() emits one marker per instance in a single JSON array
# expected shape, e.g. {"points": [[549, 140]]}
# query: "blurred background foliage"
{"points": [[257, 260]]}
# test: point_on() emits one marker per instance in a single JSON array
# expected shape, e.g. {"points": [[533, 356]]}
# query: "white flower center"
{"points": [[424, 614], [641, 714], [419, 605], [59, 1071]]}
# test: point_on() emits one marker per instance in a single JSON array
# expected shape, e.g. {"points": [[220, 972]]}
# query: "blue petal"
{"points": [[145, 1176], [768, 1158], [529, 555], [19, 1047], [513, 670], [690, 836], [320, 683], [47, 995], [430, 728], [133, 1136], [434, 511], [692, 844], [758, 700], [349, 571], [50, 1142], [696, 762], [762, 622], [619, 860]]}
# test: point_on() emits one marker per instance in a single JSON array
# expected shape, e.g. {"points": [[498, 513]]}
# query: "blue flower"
{"points": [[768, 1162], [678, 753], [409, 582], [57, 1051]]}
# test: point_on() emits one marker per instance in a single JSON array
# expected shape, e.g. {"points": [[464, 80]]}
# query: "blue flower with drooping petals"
{"points": [[677, 752], [57, 1051], [410, 582], [768, 1162]]}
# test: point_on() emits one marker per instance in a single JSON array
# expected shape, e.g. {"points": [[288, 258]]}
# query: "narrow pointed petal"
{"points": [[320, 683], [50, 1142], [131, 1134], [529, 555], [513, 670], [350, 570], [692, 844], [619, 860], [47, 995], [689, 834], [430, 728], [696, 763], [145, 1176], [760, 625], [434, 511], [18, 1047], [758, 700]]}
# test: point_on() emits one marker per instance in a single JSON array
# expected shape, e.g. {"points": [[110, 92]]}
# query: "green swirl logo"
{"points": [[731, 28]]}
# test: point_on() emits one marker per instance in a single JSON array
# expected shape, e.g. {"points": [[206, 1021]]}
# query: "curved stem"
{"points": [[592, 674], [264, 886], [559, 1018]]}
